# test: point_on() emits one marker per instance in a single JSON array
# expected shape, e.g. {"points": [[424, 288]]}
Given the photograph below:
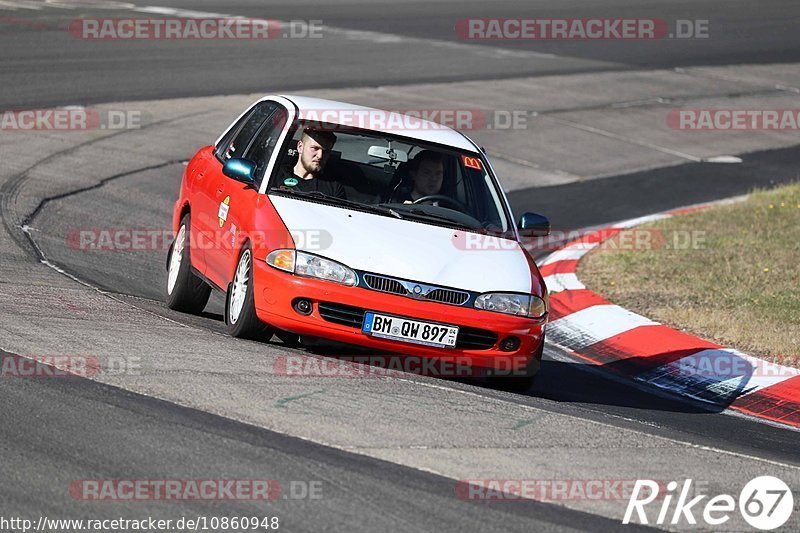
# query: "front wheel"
{"points": [[240, 306], [185, 291]]}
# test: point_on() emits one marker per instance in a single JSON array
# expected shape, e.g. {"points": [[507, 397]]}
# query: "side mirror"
{"points": [[534, 223], [240, 170]]}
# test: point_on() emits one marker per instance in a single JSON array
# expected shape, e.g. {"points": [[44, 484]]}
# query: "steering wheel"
{"points": [[442, 198]]}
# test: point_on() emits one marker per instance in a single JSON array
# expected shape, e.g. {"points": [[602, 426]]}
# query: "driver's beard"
{"points": [[308, 167]]}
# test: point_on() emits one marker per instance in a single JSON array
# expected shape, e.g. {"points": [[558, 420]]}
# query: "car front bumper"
{"points": [[337, 315]]}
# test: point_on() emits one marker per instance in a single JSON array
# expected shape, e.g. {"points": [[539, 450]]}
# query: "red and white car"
{"points": [[443, 276]]}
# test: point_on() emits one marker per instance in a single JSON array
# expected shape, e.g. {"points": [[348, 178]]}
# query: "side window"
{"points": [[288, 153], [470, 190], [261, 149], [238, 139]]}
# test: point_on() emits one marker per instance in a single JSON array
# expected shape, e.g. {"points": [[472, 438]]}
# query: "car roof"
{"points": [[353, 115]]}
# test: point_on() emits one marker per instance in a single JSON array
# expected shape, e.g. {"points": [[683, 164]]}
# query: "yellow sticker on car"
{"points": [[222, 214]]}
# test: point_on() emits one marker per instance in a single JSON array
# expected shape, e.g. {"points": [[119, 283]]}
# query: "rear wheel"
{"points": [[240, 306], [185, 291]]}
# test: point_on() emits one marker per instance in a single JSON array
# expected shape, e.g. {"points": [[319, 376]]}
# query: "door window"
{"points": [[237, 140]]}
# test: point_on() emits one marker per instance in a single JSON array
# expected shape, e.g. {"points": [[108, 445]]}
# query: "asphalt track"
{"points": [[43, 65], [59, 431], [151, 437]]}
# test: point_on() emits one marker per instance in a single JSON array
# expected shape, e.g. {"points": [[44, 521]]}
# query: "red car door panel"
{"points": [[201, 202], [216, 211]]}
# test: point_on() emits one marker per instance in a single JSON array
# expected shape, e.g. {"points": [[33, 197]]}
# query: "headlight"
{"points": [[312, 266], [315, 266], [282, 260], [512, 304]]}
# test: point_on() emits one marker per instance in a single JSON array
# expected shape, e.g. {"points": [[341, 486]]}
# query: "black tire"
{"points": [[521, 381], [245, 325], [189, 293]]}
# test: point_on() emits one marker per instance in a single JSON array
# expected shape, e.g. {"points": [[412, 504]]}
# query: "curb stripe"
{"points": [[563, 282], [572, 253], [626, 343], [681, 376], [559, 267], [647, 348], [640, 220], [594, 324], [777, 403], [760, 374], [567, 302], [719, 375]]}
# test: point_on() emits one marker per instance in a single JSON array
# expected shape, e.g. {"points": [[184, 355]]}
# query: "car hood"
{"points": [[406, 249]]}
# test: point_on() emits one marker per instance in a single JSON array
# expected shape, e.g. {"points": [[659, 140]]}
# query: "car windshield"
{"points": [[392, 176]]}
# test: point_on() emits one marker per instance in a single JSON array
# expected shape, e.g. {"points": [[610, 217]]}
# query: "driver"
{"points": [[427, 173], [313, 149]]}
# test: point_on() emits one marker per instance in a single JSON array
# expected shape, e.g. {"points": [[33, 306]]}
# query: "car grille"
{"points": [[447, 296], [382, 284], [475, 339], [347, 315], [403, 288]]}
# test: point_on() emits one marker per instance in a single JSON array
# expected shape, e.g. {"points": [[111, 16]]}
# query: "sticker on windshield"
{"points": [[471, 162], [290, 182]]}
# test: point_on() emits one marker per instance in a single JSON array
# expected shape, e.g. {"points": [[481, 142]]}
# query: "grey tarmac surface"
{"points": [[43, 65], [576, 424], [651, 191], [391, 448], [320, 488]]}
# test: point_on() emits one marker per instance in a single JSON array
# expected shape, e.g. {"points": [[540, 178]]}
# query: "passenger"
{"points": [[427, 173], [313, 150]]}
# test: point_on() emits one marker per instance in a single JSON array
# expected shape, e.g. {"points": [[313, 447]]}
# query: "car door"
{"points": [[216, 193], [243, 197], [204, 219], [198, 229]]}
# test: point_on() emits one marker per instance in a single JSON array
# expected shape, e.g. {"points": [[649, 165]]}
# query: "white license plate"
{"points": [[406, 330]]}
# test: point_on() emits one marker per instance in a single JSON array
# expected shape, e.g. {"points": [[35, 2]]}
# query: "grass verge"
{"points": [[729, 274]]}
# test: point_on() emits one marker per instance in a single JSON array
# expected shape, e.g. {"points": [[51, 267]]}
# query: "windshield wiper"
{"points": [[419, 213], [380, 209]]}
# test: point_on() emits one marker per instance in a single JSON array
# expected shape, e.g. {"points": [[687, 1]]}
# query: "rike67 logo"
{"points": [[765, 503]]}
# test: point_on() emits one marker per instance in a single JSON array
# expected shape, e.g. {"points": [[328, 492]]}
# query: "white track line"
{"points": [[594, 324], [563, 282]]}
